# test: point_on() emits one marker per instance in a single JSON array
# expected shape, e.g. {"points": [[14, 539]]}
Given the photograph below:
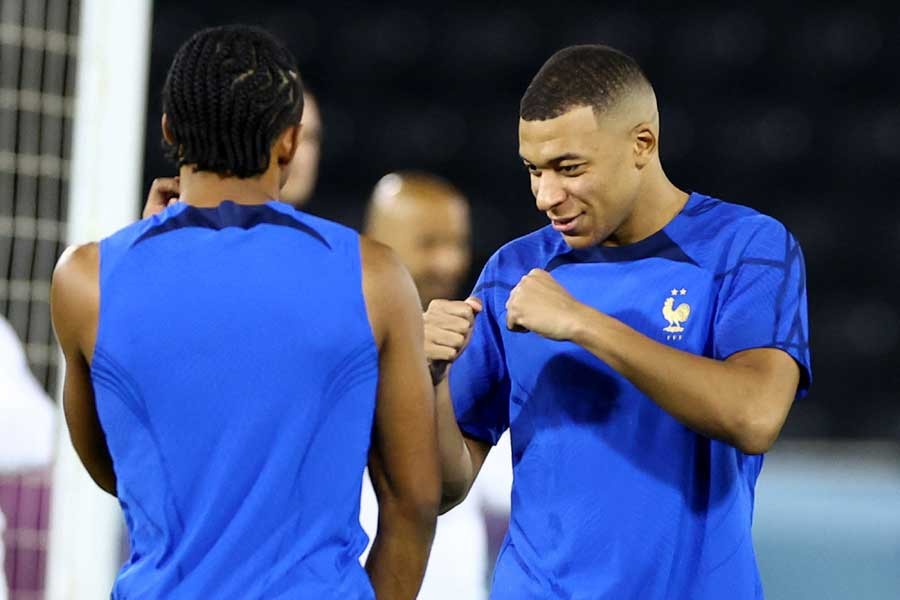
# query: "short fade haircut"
{"points": [[230, 92], [589, 75]]}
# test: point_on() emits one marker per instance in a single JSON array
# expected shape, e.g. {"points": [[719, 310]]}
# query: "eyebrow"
{"points": [[557, 159]]}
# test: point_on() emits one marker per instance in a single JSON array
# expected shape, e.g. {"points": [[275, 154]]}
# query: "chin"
{"points": [[579, 242]]}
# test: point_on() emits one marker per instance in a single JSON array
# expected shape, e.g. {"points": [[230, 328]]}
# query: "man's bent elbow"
{"points": [[452, 494], [417, 503], [417, 515], [757, 434]]}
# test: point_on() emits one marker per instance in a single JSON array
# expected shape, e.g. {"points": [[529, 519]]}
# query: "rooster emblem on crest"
{"points": [[675, 315]]}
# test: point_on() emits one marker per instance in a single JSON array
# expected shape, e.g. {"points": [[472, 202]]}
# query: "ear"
{"points": [[645, 144], [166, 131], [286, 145]]}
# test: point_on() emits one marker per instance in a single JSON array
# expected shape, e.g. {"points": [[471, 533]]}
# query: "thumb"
{"points": [[475, 303]]}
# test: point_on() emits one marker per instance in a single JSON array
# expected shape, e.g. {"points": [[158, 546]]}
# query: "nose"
{"points": [[548, 191]]}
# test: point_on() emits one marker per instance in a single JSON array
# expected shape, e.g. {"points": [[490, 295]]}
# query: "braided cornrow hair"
{"points": [[230, 92], [588, 75]]}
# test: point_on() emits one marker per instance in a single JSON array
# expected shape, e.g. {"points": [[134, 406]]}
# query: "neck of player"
{"points": [[657, 202], [207, 189]]}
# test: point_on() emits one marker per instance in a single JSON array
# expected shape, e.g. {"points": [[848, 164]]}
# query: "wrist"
{"points": [[586, 324], [438, 371]]}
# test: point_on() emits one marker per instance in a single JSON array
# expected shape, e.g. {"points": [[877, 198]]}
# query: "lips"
{"points": [[565, 225]]}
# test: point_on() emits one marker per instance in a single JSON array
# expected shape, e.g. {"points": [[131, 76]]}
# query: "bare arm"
{"points": [[403, 461], [74, 304], [461, 456], [448, 328], [743, 400]]}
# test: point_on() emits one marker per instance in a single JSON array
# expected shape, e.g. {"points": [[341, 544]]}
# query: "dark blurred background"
{"points": [[790, 108], [792, 111]]}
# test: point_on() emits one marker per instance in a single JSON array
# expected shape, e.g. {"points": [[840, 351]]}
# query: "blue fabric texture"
{"points": [[235, 374]]}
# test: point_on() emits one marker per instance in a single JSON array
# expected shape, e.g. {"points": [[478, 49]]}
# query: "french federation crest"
{"points": [[676, 315]]}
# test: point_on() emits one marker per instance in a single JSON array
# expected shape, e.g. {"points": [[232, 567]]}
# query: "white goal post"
{"points": [[84, 548]]}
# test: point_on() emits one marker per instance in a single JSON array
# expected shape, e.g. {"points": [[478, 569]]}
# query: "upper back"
{"points": [[249, 276], [235, 371]]}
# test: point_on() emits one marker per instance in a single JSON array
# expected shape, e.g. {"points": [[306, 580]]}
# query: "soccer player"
{"points": [[643, 349], [425, 219], [226, 360]]}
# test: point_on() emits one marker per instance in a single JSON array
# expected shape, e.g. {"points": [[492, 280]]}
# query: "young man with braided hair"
{"points": [[229, 360], [643, 349]]}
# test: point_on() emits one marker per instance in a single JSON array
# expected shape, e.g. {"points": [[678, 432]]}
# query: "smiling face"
{"points": [[586, 172]]}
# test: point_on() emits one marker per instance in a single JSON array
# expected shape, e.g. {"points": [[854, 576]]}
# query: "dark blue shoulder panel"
{"points": [[658, 245], [229, 214]]}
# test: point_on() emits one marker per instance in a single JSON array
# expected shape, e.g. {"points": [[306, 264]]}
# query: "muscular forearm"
{"points": [[724, 400], [457, 470], [396, 563]]}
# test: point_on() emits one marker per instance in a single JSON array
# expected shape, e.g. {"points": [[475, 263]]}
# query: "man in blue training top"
{"points": [[233, 365], [643, 349]]}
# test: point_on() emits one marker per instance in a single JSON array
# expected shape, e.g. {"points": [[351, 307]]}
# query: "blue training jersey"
{"points": [[612, 497], [235, 374]]}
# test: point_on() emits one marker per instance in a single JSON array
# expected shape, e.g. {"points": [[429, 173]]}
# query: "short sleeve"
{"points": [[479, 381], [762, 298]]}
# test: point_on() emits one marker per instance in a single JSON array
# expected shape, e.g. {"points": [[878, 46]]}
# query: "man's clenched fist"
{"points": [[448, 328], [540, 304]]}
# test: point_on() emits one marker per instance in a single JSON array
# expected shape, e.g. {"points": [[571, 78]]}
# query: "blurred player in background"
{"points": [[27, 419], [226, 389], [426, 221], [304, 170], [643, 349]]}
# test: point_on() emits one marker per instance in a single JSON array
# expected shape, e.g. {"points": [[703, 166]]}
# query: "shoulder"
{"points": [[718, 217], [384, 276], [129, 234], [77, 262], [379, 261], [723, 233], [75, 292], [527, 252], [387, 286], [333, 234]]}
